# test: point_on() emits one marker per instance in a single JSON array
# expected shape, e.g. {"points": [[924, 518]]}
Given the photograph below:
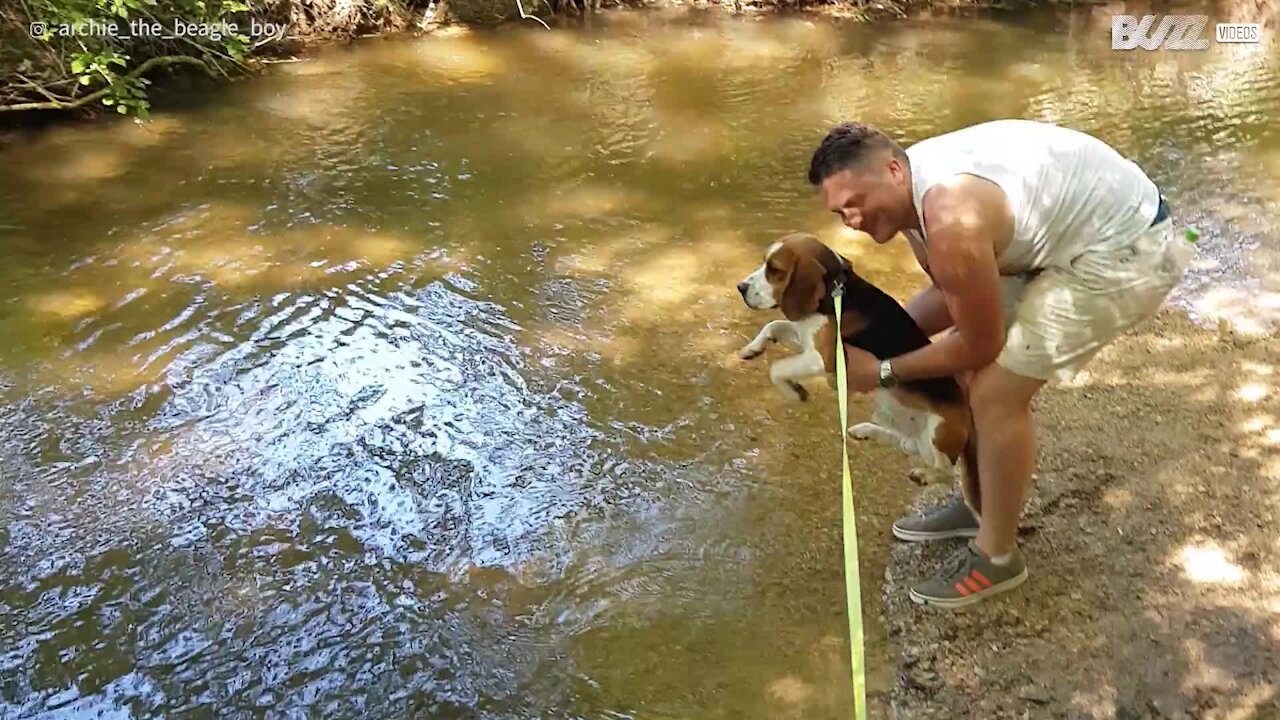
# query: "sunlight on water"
{"points": [[401, 381]]}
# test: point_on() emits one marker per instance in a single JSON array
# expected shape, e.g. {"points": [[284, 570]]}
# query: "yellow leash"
{"points": [[852, 583]]}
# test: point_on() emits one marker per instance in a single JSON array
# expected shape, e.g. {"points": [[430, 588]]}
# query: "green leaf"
{"points": [[77, 66], [84, 79], [108, 101], [122, 109]]}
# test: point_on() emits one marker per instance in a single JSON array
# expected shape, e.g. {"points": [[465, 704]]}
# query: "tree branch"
{"points": [[208, 50], [28, 17], [92, 97], [40, 89], [526, 16]]}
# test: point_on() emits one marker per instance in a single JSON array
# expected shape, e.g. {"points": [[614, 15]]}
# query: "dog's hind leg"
{"points": [[888, 436], [955, 445], [891, 423]]}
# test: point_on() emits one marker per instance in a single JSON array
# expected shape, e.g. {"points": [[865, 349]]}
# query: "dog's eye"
{"points": [[772, 270]]}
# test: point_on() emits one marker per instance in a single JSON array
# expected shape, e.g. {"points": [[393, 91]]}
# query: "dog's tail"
{"points": [[970, 484]]}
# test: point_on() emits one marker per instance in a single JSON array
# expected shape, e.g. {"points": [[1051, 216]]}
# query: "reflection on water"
{"points": [[396, 382]]}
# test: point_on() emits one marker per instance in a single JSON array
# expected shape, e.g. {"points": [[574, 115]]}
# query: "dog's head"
{"points": [[796, 276]]}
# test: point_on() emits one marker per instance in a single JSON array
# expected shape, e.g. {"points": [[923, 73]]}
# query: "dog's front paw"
{"points": [[919, 476], [751, 351]]}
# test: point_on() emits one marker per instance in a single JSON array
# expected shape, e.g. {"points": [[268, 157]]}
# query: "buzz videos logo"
{"points": [[1176, 32]]}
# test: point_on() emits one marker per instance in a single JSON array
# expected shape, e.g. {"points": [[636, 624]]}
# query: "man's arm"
{"points": [[929, 309], [965, 218]]}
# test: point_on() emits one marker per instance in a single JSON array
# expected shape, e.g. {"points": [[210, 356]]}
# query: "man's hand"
{"points": [[863, 369]]}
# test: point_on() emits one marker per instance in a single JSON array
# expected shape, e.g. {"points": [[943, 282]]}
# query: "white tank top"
{"points": [[1068, 190]]}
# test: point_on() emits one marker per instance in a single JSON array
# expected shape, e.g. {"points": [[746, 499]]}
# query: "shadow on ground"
{"points": [[1151, 543]]}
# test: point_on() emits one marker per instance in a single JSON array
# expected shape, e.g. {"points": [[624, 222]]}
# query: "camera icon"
{"points": [[38, 28]]}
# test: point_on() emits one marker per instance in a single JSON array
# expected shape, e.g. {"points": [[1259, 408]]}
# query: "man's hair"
{"points": [[849, 145]]}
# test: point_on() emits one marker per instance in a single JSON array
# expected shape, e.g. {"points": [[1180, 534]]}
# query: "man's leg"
{"points": [[1064, 317], [954, 518], [991, 563], [1001, 404]]}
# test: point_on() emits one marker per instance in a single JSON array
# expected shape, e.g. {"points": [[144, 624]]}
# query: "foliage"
{"points": [[95, 55], [78, 52]]}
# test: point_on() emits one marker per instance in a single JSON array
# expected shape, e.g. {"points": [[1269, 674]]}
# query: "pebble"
{"points": [[923, 680], [1035, 694]]}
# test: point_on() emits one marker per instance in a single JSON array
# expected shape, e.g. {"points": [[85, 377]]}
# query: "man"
{"points": [[1043, 245]]}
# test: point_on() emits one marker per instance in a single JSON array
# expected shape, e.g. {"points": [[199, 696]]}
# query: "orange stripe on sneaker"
{"points": [[981, 578], [972, 585], [964, 591]]}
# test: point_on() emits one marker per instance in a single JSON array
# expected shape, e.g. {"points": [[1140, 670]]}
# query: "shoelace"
{"points": [[954, 564]]}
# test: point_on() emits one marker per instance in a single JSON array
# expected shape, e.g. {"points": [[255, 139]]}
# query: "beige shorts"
{"points": [[1060, 317]]}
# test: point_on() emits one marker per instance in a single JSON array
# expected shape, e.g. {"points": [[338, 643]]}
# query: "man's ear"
{"points": [[897, 171], [804, 289]]}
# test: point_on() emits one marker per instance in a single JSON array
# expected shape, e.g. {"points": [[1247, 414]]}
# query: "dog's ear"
{"points": [[804, 288]]}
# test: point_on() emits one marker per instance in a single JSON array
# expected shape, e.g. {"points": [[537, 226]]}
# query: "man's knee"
{"points": [[997, 392]]}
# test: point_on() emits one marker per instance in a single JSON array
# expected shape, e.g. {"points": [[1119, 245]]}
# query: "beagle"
{"points": [[929, 419]]}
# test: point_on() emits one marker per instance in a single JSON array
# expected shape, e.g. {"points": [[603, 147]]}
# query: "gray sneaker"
{"points": [[968, 577], [952, 520]]}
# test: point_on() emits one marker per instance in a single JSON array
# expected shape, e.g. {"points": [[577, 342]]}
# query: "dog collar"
{"points": [[842, 283]]}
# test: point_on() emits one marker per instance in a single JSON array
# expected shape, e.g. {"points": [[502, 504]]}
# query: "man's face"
{"points": [[870, 199]]}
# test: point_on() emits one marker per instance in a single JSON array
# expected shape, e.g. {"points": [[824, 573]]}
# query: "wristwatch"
{"points": [[887, 378]]}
